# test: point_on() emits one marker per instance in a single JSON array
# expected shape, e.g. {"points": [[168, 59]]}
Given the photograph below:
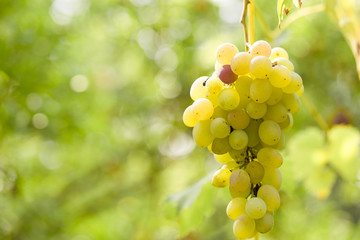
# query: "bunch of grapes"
{"points": [[240, 113]]}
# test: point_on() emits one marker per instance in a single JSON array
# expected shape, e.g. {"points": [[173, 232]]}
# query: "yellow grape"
{"points": [[198, 89], [220, 145], [280, 76], [291, 102], [221, 178], [239, 181], [260, 67], [283, 61], [277, 113], [223, 158], [201, 133], [214, 85], [242, 86], [236, 207], [252, 132], [238, 155], [202, 109], [244, 227], [256, 110], [301, 91], [228, 99], [255, 171], [272, 177], [231, 165], [188, 118], [269, 132], [281, 143], [238, 118], [219, 113], [225, 52], [220, 128], [260, 47], [260, 90], [270, 157], [294, 85], [278, 52], [238, 139], [288, 123], [255, 208], [212, 98], [271, 197], [265, 224], [240, 64], [276, 95]]}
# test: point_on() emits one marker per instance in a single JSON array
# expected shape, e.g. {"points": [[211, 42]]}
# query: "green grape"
{"points": [[260, 67], [228, 99], [221, 178], [198, 89], [219, 113], [220, 128], [281, 143], [260, 47], [270, 157], [294, 85], [213, 98], [272, 177], [202, 134], [283, 61], [255, 208], [244, 227], [301, 91], [236, 207], [278, 52], [265, 224], [288, 123], [242, 86], [276, 113], [238, 139], [255, 171], [239, 181], [238, 118], [256, 110], [235, 193], [238, 155], [271, 197], [252, 132], [202, 109], [231, 165], [209, 147], [280, 76], [240, 63], [188, 118], [276, 95], [260, 90], [223, 158], [220, 145], [214, 85], [225, 52], [269, 132], [291, 102]]}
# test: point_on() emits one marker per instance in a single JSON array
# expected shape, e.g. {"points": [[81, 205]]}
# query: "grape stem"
{"points": [[243, 22], [249, 36]]}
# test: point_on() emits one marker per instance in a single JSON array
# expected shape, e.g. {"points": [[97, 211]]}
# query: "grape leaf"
{"points": [[284, 7], [298, 3]]}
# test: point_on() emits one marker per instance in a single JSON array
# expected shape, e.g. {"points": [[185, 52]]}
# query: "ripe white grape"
{"points": [[260, 67], [214, 85], [238, 155], [202, 134], [271, 197], [188, 118], [255, 171], [213, 98], [291, 102], [288, 123], [223, 158], [283, 61], [240, 64], [219, 128], [198, 89], [265, 224], [255, 208], [219, 113], [252, 132], [231, 165], [277, 113], [202, 109], [278, 52], [225, 52], [270, 157], [236, 207], [272, 177], [239, 181], [269, 132], [238, 139], [276, 95], [294, 85], [238, 118], [301, 91], [260, 90], [242, 86], [261, 48], [220, 145], [228, 99], [256, 110], [280, 76], [221, 178], [244, 227]]}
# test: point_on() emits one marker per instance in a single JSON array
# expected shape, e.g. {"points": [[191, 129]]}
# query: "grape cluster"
{"points": [[240, 113]]}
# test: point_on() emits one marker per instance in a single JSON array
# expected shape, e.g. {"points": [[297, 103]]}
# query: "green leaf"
{"points": [[283, 7], [298, 3]]}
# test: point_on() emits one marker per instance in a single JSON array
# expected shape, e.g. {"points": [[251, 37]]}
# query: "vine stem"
{"points": [[314, 112], [243, 22], [251, 7]]}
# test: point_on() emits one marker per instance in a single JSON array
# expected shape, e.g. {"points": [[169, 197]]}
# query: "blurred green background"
{"points": [[92, 140]]}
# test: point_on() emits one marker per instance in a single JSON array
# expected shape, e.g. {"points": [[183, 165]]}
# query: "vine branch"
{"points": [[251, 10], [243, 22]]}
